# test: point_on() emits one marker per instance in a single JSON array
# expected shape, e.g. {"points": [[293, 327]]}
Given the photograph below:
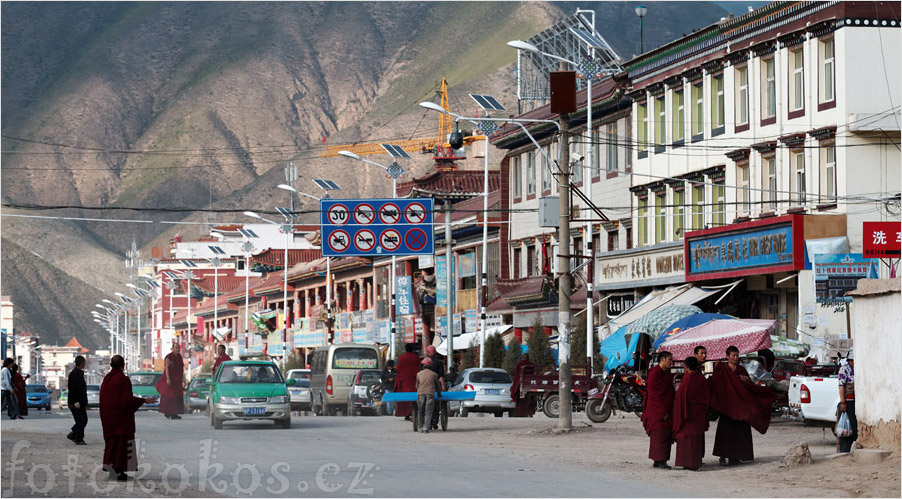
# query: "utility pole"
{"points": [[449, 311], [565, 421]]}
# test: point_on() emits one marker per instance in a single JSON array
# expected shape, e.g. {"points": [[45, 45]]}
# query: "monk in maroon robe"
{"points": [[408, 367], [690, 416], [117, 416], [19, 388], [171, 385], [222, 357], [526, 405], [743, 405], [656, 418]]}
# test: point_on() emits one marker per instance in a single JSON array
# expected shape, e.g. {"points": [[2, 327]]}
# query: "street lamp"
{"points": [[640, 12], [287, 228], [394, 190], [435, 107], [139, 293]]}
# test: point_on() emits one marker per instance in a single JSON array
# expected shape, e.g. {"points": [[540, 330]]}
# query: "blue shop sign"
{"points": [[767, 247]]}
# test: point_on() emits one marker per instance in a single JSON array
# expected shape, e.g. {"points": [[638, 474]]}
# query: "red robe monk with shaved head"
{"points": [[658, 410], [690, 416], [117, 416], [171, 385]]}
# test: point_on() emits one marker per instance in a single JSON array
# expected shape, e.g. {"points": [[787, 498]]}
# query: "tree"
{"points": [[512, 356], [539, 349], [494, 351], [470, 357]]}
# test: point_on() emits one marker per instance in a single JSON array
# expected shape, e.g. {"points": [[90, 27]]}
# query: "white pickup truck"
{"points": [[813, 400]]}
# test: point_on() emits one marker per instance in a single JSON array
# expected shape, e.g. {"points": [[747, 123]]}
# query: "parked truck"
{"points": [[813, 399]]}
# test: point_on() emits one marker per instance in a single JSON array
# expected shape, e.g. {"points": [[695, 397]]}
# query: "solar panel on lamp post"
{"points": [[394, 190]]}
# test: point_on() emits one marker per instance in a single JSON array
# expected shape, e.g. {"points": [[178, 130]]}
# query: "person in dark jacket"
{"points": [[78, 401], [389, 374]]}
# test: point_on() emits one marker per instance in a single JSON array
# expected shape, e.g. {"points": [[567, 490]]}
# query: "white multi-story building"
{"points": [[762, 136]]}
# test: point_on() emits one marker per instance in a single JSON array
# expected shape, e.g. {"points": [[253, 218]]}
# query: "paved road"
{"points": [[346, 457]]}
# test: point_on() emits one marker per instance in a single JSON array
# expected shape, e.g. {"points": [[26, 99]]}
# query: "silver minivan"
{"points": [[333, 368]]}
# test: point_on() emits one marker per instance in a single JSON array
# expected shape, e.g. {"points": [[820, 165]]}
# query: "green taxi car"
{"points": [[244, 390], [143, 386]]}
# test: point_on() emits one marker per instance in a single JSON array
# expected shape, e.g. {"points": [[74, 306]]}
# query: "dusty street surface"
{"points": [[373, 456]]}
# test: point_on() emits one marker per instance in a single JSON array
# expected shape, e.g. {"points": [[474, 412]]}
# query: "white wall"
{"points": [[877, 339]]}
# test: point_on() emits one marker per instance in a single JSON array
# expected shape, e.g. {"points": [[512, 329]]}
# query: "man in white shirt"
{"points": [[9, 401]]}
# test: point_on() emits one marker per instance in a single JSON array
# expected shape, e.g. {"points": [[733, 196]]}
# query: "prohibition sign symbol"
{"points": [[364, 240], [389, 214], [415, 213], [339, 241], [338, 215], [390, 239], [415, 239], [364, 214]]}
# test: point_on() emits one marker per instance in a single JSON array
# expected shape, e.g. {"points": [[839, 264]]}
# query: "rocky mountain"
{"points": [[154, 111]]}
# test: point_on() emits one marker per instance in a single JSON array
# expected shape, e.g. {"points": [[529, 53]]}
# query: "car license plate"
{"points": [[254, 411], [493, 391]]}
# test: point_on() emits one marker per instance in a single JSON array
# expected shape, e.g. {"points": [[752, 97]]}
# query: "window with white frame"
{"points": [[679, 212], [742, 95], [642, 120], [698, 206], [769, 183], [768, 88], [827, 175], [660, 121], [661, 217], [742, 191], [698, 109], [516, 178], [531, 173], [827, 75], [719, 204], [798, 178], [717, 100], [797, 84], [679, 116], [643, 220], [611, 130]]}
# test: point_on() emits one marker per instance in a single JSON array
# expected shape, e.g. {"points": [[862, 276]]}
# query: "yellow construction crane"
{"points": [[413, 145]]}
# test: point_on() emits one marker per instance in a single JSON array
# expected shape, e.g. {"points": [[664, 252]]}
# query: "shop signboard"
{"points": [[881, 239], [619, 304], [441, 284], [759, 247], [384, 332], [836, 274], [360, 336], [309, 338], [346, 335], [659, 266], [471, 320], [403, 295], [467, 263]]}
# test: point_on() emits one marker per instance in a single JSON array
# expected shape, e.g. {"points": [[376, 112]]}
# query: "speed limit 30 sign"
{"points": [[372, 227]]}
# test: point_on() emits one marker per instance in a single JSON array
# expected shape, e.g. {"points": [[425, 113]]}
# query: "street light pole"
{"points": [[640, 12]]}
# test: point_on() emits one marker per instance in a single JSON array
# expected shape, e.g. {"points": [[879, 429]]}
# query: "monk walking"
{"points": [[406, 381], [171, 386], [690, 416], [743, 405], [221, 357], [658, 408], [117, 416]]}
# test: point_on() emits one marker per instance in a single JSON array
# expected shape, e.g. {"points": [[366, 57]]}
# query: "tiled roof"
{"points": [[473, 207], [209, 285], [74, 343], [455, 183], [275, 257]]}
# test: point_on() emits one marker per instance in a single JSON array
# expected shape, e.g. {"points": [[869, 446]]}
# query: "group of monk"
{"points": [[683, 415]]}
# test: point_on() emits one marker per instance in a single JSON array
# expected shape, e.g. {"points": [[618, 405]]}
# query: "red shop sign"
{"points": [[882, 239]]}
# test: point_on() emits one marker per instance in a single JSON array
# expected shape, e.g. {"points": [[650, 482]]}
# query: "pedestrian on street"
{"points": [[408, 367], [525, 406], [389, 375], [221, 357], [20, 387], [428, 386], [171, 385], [742, 405], [656, 417], [78, 401], [847, 401], [10, 402], [690, 416], [438, 367], [117, 416]]}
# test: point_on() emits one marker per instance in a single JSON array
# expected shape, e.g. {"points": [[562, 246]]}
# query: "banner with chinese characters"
{"points": [[881, 239], [308, 339], [403, 295], [837, 274]]}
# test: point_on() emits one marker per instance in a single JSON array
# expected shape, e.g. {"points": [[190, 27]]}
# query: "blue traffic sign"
{"points": [[377, 227]]}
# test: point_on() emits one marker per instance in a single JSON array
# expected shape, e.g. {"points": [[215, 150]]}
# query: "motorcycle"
{"points": [[622, 390]]}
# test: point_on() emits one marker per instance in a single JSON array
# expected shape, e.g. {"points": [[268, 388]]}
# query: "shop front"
{"points": [[766, 259]]}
